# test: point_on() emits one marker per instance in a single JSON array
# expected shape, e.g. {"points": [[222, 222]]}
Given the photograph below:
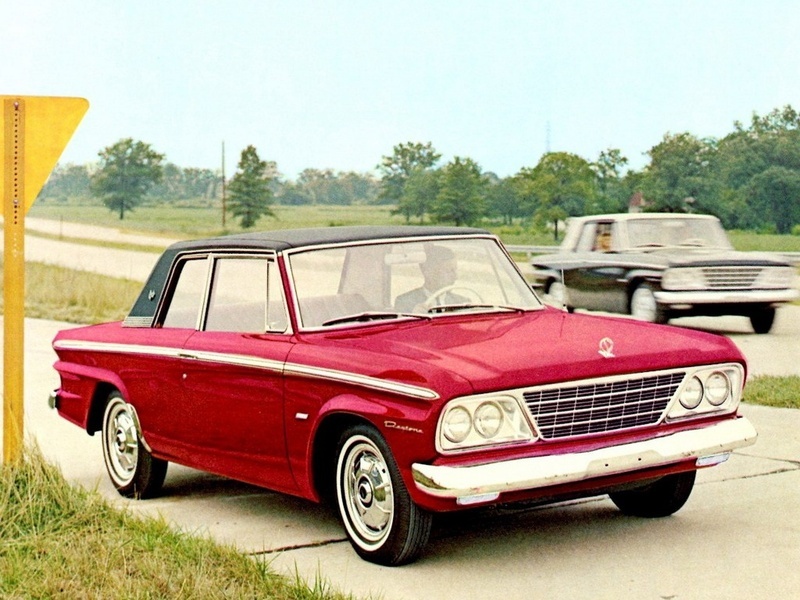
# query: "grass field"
{"points": [[186, 222], [60, 541], [177, 222]]}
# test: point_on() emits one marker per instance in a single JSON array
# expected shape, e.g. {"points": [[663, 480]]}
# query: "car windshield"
{"points": [[410, 279], [655, 233]]}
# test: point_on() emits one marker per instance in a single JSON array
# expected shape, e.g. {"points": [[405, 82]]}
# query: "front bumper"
{"points": [[486, 481], [672, 298]]}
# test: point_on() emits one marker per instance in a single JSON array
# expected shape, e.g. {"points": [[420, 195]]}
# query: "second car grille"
{"points": [[731, 278], [601, 406]]}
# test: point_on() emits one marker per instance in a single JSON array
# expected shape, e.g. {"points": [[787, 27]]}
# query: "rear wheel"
{"points": [[133, 470], [660, 498], [382, 521], [762, 319]]}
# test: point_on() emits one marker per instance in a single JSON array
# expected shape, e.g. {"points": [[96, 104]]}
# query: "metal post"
{"points": [[13, 279]]}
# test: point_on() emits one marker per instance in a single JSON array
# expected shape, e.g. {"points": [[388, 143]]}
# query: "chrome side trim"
{"points": [[361, 380], [253, 362], [550, 470]]}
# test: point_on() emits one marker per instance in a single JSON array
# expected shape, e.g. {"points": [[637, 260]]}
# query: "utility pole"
{"points": [[224, 199]]}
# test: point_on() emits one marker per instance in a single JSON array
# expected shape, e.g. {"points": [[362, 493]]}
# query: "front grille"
{"points": [[602, 406], [731, 277]]}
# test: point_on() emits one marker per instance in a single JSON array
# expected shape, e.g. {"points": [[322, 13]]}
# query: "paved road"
{"points": [[738, 537]]}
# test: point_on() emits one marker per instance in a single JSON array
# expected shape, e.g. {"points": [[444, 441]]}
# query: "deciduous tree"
{"points": [[461, 199], [397, 168], [128, 169]]}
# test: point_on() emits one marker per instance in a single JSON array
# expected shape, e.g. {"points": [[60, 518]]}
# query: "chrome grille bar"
{"points": [[601, 406], [731, 277]]}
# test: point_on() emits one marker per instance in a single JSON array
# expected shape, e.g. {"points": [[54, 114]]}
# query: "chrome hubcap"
{"points": [[122, 443], [367, 491]]}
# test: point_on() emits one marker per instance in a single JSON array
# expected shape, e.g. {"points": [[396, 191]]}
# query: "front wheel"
{"points": [[133, 470], [661, 498], [559, 296], [382, 522], [762, 319], [643, 305]]}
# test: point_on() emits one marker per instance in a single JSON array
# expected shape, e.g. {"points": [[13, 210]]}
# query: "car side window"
{"points": [[187, 294], [246, 296], [587, 238]]}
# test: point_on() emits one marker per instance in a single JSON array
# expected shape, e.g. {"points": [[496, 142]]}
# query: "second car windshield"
{"points": [[676, 232], [406, 278]]}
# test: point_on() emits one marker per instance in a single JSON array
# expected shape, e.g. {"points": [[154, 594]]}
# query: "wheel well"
{"points": [[324, 457], [94, 422]]}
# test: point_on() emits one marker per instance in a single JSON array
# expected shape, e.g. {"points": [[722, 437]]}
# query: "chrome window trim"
{"points": [[211, 257], [243, 360]]}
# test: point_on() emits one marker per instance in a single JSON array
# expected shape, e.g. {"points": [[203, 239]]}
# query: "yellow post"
{"points": [[13, 277], [34, 132]]}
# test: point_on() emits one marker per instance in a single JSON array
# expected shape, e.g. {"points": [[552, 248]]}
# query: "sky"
{"points": [[337, 84]]}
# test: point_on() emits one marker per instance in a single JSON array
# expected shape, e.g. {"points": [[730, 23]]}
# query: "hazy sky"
{"points": [[337, 84]]}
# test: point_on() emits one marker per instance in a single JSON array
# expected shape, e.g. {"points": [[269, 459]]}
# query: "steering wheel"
{"points": [[434, 298]]}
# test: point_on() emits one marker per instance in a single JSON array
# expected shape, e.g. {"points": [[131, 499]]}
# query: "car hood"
{"points": [[473, 354], [693, 256], [657, 258]]}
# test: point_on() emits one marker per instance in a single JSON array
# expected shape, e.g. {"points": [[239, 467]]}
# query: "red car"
{"points": [[397, 372]]}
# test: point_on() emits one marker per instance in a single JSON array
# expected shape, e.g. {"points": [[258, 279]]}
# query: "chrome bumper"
{"points": [[475, 483], [670, 298]]}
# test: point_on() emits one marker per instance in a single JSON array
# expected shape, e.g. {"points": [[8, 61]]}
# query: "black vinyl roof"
{"points": [[298, 238], [144, 308]]}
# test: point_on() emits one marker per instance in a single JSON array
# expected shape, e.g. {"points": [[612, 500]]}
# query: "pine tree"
{"points": [[250, 193]]}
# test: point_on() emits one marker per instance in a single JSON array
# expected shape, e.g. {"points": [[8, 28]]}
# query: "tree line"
{"points": [[750, 179]]}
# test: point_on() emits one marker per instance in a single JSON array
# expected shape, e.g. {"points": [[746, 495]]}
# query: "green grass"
{"points": [[781, 392], [60, 541], [764, 242], [192, 222], [62, 294], [184, 222]]}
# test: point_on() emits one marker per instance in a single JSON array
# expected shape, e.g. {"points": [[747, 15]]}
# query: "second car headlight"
{"points": [[481, 421], [683, 278]]}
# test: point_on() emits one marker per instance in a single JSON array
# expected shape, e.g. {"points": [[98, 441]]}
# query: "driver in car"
{"points": [[439, 273]]}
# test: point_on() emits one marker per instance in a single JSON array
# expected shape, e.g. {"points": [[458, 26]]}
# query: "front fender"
{"points": [[408, 429]]}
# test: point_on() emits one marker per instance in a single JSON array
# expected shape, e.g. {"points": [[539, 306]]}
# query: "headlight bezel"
{"points": [[512, 427], [713, 398], [683, 279], [777, 277]]}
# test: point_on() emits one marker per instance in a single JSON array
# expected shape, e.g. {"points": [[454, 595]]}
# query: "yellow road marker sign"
{"points": [[33, 134]]}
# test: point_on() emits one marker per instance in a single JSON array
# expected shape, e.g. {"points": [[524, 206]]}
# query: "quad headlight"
{"points": [[775, 278], [683, 278], [482, 421], [709, 390]]}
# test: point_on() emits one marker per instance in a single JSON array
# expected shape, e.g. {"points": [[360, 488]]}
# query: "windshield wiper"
{"points": [[366, 316], [443, 308]]}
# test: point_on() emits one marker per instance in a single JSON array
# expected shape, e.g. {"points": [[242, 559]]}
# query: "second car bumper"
{"points": [[671, 298], [475, 483]]}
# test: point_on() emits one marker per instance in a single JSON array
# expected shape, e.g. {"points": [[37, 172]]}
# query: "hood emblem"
{"points": [[606, 348]]}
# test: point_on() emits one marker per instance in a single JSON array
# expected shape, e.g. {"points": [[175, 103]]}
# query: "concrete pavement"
{"points": [[738, 536]]}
